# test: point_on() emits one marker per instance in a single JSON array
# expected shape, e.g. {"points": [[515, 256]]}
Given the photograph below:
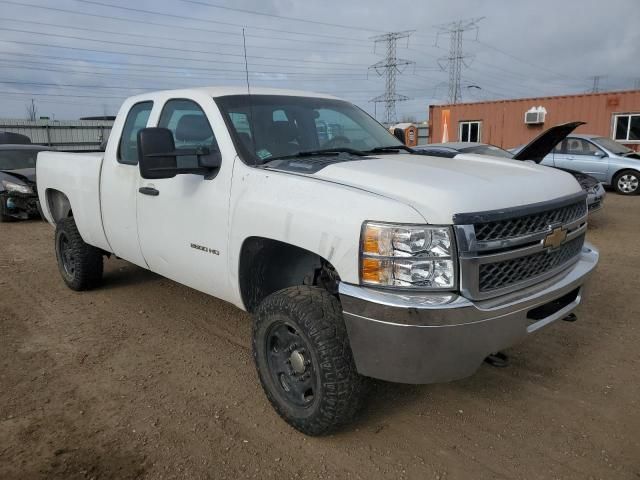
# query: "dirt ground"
{"points": [[145, 378]]}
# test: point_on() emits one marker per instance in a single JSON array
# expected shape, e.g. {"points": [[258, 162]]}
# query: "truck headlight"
{"points": [[16, 187], [410, 256]]}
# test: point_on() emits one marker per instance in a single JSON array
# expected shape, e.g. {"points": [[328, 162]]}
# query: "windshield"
{"points": [[17, 159], [487, 150], [613, 146], [267, 127]]}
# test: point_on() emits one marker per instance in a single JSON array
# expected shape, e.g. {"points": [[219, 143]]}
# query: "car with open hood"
{"points": [[608, 161], [534, 151], [18, 191]]}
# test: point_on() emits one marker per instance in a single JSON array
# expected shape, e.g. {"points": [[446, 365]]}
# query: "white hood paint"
{"points": [[438, 187]]}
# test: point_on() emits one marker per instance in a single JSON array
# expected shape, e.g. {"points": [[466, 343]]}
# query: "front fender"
{"points": [[317, 215]]}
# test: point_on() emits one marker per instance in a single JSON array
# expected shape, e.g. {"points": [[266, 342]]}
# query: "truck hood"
{"points": [[438, 188]]}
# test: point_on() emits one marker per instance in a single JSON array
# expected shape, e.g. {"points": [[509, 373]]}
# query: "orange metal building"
{"points": [[502, 122]]}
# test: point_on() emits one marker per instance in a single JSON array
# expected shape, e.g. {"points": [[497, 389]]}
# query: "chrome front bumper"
{"points": [[429, 338]]}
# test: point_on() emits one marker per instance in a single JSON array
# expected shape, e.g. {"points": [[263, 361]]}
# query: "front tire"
{"points": [[627, 182], [304, 361], [80, 264]]}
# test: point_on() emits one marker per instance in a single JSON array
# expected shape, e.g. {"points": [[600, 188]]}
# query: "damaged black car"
{"points": [[18, 192]]}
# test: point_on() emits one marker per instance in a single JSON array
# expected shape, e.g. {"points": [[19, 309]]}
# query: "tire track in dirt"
{"points": [[162, 377]]}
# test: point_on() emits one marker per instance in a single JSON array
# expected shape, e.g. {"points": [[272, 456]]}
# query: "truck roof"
{"points": [[222, 91]]}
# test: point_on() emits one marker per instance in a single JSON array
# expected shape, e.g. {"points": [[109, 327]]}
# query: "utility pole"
{"points": [[456, 59], [389, 67]]}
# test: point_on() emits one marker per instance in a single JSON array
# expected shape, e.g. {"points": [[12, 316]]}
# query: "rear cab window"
{"points": [[190, 127], [136, 120]]}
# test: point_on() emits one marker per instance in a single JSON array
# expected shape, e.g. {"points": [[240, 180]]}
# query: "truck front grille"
{"points": [[504, 250], [528, 224], [497, 275]]}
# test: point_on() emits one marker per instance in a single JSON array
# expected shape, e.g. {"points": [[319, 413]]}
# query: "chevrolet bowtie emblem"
{"points": [[555, 238]]}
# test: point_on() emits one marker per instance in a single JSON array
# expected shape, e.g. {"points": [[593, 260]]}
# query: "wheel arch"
{"points": [[266, 266], [58, 205], [620, 171]]}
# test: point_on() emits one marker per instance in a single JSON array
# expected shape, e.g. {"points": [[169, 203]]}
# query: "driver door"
{"points": [[182, 221], [585, 157]]}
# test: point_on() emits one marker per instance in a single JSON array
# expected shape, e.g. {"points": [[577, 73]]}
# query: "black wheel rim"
{"points": [[67, 257], [290, 364]]}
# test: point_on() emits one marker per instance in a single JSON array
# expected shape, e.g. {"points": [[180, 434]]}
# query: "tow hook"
{"points": [[498, 360], [570, 318]]}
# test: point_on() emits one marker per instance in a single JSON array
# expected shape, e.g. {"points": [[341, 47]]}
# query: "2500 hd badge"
{"points": [[205, 249]]}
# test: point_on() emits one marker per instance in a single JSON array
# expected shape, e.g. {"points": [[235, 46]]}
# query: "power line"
{"points": [[389, 67], [172, 26], [129, 44], [526, 62], [142, 87], [44, 66], [282, 17], [456, 58], [149, 55], [59, 95], [197, 19], [333, 75], [166, 38]]}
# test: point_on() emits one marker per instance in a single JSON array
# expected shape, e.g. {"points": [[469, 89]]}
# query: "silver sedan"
{"points": [[607, 160]]}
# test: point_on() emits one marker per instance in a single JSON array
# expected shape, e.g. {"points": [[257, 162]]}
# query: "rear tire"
{"points": [[80, 264], [627, 182], [304, 361]]}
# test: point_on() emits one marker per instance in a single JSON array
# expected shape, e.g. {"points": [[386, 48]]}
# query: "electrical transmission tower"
{"points": [[596, 83], [390, 66], [456, 59]]}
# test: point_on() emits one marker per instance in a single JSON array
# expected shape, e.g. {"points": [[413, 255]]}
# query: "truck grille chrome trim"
{"points": [[529, 224], [510, 252]]}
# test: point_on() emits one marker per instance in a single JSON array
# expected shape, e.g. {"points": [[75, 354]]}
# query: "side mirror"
{"points": [[156, 153], [399, 134], [600, 154]]}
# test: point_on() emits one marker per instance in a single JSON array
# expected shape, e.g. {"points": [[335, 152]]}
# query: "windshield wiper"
{"points": [[391, 148], [322, 151]]}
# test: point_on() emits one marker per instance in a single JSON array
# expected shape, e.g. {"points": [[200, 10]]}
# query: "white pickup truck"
{"points": [[358, 257]]}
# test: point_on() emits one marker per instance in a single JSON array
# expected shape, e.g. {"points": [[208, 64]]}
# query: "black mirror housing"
{"points": [[156, 153], [210, 160]]}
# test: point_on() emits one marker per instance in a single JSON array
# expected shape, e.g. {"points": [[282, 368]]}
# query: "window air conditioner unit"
{"points": [[535, 116]]}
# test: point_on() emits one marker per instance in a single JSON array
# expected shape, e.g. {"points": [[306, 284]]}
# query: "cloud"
{"points": [[76, 65]]}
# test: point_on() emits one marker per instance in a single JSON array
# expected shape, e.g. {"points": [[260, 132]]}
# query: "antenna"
{"points": [[246, 71]]}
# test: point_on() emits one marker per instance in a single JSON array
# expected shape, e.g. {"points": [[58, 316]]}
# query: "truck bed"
{"points": [[77, 176]]}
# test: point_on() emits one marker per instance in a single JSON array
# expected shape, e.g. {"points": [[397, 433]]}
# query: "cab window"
{"points": [[579, 146], [190, 127], [136, 120]]}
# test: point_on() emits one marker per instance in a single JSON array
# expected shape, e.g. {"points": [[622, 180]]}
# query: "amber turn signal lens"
{"points": [[371, 270], [370, 241]]}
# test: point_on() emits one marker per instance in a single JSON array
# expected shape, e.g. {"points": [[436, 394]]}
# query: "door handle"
{"points": [[149, 191]]}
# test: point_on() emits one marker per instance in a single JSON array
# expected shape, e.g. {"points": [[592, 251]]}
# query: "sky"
{"points": [[78, 58]]}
